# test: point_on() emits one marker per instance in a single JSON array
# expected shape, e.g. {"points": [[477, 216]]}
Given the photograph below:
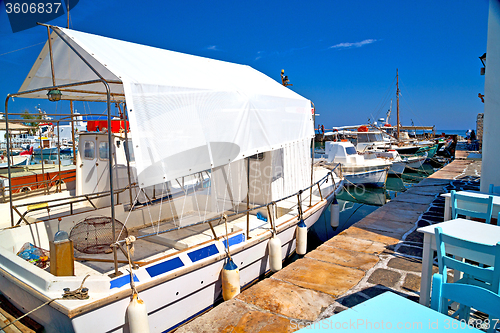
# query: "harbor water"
{"points": [[356, 202]]}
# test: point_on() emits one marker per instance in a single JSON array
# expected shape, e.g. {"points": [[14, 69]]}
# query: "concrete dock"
{"points": [[381, 252]]}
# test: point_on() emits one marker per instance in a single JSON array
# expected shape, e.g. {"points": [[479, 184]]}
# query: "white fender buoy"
{"points": [[230, 280], [275, 254], [334, 213], [301, 238], [137, 316]]}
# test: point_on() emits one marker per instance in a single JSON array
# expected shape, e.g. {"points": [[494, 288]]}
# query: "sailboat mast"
{"points": [[397, 101], [67, 11]]}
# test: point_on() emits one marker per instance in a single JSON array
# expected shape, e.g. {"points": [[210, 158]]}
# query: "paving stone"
{"points": [[342, 241], [430, 191], [377, 290], [286, 299], [414, 198], [423, 223], [411, 251], [406, 206], [352, 300], [416, 237], [397, 229], [236, 316], [389, 213], [412, 282], [384, 277], [356, 232], [434, 218], [433, 180], [437, 209], [406, 264], [321, 276], [343, 257]]}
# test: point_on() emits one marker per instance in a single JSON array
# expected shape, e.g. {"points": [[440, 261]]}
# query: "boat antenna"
{"points": [[388, 115], [397, 101]]}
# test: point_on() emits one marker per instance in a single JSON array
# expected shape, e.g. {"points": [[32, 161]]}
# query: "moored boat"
{"points": [[194, 193], [358, 168]]}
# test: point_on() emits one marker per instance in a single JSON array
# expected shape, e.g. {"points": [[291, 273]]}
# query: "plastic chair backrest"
{"points": [[494, 189], [480, 203], [467, 295]]}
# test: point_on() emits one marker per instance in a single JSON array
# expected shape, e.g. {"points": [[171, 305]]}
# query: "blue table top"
{"points": [[387, 311]]}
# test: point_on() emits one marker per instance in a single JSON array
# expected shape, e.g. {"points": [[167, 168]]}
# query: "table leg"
{"points": [[447, 209], [425, 280]]}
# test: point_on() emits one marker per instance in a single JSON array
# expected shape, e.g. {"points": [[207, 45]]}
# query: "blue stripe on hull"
{"points": [[203, 253], [164, 267]]}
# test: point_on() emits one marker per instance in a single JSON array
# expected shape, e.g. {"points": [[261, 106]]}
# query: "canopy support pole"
{"points": [[110, 147], [73, 132], [127, 152], [8, 159], [312, 157], [248, 198], [59, 158], [51, 58], [41, 157]]}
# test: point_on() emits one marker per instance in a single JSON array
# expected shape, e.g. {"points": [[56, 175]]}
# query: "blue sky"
{"points": [[342, 55]]}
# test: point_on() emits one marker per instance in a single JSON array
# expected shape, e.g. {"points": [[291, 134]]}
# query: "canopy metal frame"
{"points": [[64, 87]]}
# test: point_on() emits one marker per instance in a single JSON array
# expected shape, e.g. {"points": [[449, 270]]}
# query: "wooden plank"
{"points": [[10, 312]]}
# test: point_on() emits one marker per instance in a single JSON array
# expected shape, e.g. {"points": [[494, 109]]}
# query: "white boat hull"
{"points": [[397, 168], [375, 178], [416, 162]]}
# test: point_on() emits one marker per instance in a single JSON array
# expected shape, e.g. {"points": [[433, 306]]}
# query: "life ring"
{"points": [[363, 129]]}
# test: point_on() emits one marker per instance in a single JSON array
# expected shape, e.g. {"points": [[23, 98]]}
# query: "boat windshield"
{"points": [[350, 151], [370, 137]]}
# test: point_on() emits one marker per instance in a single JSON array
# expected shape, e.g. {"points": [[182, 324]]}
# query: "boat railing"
{"points": [[34, 188], [269, 206], [60, 202]]}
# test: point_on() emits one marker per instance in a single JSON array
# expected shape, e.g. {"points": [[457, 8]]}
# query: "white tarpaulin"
{"points": [[187, 113]]}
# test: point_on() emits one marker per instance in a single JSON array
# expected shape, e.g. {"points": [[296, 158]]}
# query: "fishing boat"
{"points": [[398, 164], [215, 178], [16, 161], [358, 168], [414, 162]]}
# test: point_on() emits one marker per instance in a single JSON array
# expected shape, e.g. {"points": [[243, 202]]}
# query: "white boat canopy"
{"points": [[187, 113]]}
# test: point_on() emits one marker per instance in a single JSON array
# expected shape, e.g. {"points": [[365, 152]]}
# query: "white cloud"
{"points": [[260, 54], [213, 48], [351, 45]]}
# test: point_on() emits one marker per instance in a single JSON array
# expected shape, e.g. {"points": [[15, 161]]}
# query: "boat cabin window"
{"points": [[370, 137], [88, 150], [350, 151], [129, 150], [363, 137], [103, 150]]}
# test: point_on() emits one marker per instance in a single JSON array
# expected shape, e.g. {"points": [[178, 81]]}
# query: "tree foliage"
{"points": [[28, 116]]}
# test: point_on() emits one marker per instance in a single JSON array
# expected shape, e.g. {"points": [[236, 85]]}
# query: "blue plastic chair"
{"points": [[471, 296], [477, 275], [494, 189], [455, 210]]}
